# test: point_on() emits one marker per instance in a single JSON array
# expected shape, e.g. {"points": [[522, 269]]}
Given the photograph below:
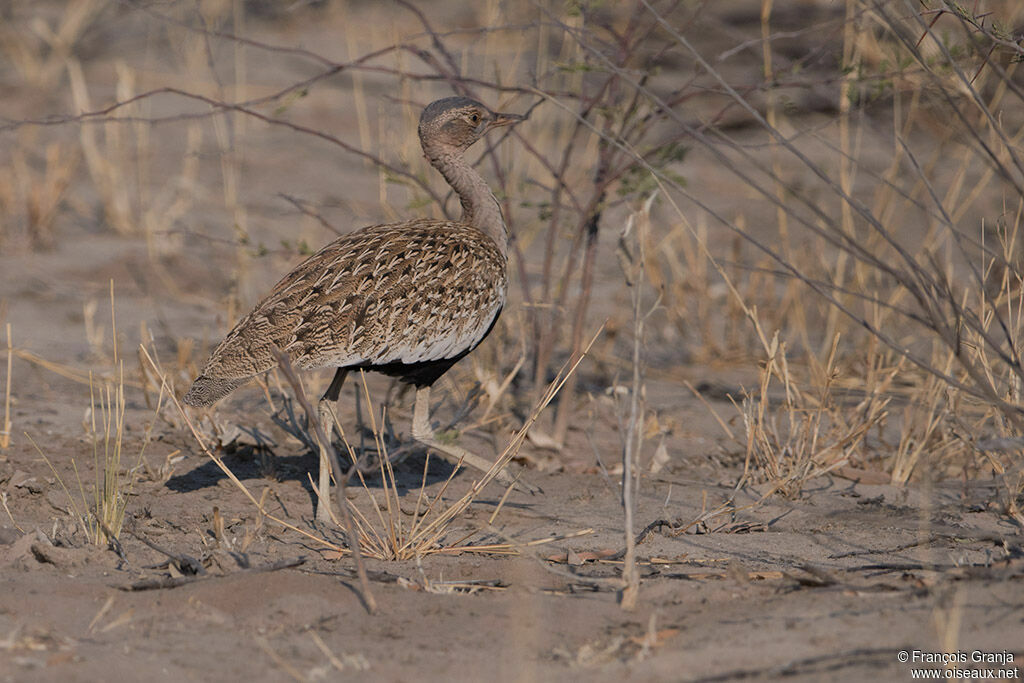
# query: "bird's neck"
{"points": [[480, 208]]}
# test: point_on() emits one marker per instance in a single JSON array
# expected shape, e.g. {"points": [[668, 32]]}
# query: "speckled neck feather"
{"points": [[480, 208]]}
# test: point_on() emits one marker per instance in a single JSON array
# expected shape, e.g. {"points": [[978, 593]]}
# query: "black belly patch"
{"points": [[424, 373], [419, 374]]}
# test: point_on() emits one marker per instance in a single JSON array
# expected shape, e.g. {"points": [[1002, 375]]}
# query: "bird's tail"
{"points": [[206, 391]]}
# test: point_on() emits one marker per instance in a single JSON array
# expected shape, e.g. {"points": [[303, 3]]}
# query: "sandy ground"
{"points": [[832, 585], [829, 587]]}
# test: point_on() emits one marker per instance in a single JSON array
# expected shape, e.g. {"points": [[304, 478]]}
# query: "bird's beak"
{"points": [[505, 120]]}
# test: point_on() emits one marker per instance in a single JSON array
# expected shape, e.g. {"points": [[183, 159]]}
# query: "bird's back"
{"points": [[387, 295]]}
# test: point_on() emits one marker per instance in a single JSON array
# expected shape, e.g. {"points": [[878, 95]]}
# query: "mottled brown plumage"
{"points": [[407, 299], [424, 290]]}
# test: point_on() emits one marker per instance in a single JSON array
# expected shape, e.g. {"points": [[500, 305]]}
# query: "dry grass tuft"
{"points": [[111, 486], [802, 431], [100, 513], [383, 533], [904, 361]]}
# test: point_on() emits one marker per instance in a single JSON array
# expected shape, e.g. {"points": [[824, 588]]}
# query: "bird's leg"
{"points": [[422, 432], [325, 412]]}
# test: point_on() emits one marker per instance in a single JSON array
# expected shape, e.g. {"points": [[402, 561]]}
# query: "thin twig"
{"points": [[175, 581], [341, 500]]}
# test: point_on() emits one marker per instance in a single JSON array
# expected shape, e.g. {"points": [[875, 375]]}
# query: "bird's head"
{"points": [[458, 122]]}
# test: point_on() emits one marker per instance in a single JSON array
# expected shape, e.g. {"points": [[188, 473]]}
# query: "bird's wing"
{"points": [[418, 291]]}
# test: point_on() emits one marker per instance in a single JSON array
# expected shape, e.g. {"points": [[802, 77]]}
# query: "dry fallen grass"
{"points": [[382, 532]]}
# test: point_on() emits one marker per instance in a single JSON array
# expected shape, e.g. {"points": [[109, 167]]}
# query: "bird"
{"points": [[408, 299]]}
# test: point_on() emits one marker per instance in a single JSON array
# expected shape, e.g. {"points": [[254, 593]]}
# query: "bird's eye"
{"points": [[475, 118]]}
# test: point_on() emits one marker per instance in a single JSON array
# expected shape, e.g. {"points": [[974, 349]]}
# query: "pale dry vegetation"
{"points": [[867, 279], [766, 295]]}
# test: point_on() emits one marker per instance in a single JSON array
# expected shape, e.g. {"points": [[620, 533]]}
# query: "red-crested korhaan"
{"points": [[405, 299]]}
